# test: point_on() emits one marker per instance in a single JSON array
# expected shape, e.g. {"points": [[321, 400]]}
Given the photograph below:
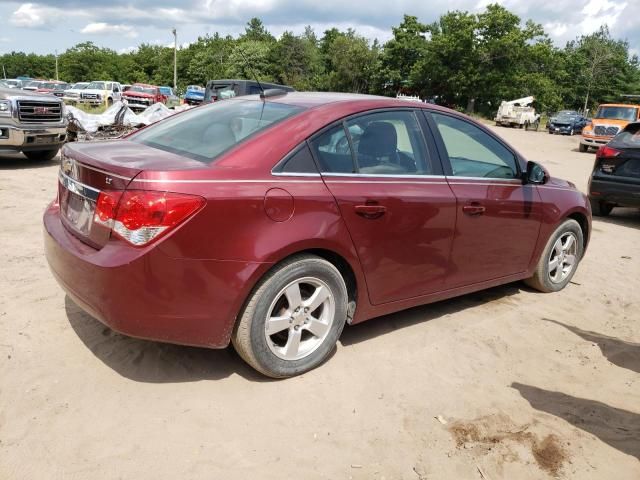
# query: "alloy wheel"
{"points": [[562, 259], [300, 318]]}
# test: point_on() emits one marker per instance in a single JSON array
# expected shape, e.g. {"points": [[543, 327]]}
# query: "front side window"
{"points": [[472, 152], [205, 133]]}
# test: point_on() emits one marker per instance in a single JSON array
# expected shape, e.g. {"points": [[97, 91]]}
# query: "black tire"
{"points": [[41, 155], [600, 208], [583, 148], [249, 336], [541, 280]]}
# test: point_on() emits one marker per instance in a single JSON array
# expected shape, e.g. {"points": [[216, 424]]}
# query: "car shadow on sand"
{"points": [[619, 352], [625, 217], [155, 362], [614, 426], [406, 318], [17, 161]]}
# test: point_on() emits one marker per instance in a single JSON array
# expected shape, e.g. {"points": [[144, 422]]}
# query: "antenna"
{"points": [[252, 73]]}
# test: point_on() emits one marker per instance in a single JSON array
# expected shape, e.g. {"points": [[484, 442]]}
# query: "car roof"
{"points": [[619, 105], [317, 99]]}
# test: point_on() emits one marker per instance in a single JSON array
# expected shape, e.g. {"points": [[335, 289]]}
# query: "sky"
{"points": [[49, 25]]}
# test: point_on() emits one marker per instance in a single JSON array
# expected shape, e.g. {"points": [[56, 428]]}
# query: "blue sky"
{"points": [[49, 25]]}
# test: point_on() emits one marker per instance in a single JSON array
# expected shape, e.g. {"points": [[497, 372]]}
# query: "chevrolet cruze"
{"points": [[272, 221]]}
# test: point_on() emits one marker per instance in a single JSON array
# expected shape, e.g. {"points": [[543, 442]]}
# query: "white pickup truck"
{"points": [[31, 123]]}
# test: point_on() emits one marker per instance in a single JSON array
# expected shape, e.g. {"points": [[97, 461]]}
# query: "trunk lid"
{"points": [[90, 168]]}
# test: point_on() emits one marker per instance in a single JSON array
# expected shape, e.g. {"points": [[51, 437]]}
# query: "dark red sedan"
{"points": [[271, 222]]}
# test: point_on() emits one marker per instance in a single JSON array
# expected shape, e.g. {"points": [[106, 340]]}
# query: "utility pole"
{"points": [[4, 72], [57, 65], [175, 60]]}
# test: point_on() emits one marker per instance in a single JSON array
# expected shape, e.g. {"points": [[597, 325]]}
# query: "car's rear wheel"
{"points": [[293, 318], [560, 258], [41, 155], [600, 208]]}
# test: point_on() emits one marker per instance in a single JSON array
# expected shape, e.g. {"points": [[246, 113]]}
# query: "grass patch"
{"points": [[90, 108]]}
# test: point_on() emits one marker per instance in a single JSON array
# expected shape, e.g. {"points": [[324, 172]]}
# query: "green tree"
{"points": [[401, 53]]}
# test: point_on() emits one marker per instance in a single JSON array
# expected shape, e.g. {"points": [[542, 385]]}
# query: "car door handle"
{"points": [[370, 211], [473, 209]]}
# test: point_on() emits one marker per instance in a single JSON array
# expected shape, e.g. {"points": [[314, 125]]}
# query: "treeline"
{"points": [[464, 60]]}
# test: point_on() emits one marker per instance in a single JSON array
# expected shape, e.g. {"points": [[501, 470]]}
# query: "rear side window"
{"points": [[472, 152], [206, 132], [628, 138], [333, 151], [300, 161], [389, 143]]}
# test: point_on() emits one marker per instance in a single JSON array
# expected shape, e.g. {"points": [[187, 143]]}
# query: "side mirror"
{"points": [[536, 174]]}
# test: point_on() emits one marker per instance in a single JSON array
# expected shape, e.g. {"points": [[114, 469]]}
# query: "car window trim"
{"points": [[442, 149]]}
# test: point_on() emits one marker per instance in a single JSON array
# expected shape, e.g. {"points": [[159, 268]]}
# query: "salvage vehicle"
{"points": [[606, 123], [32, 85], [100, 93], [170, 99], [223, 89], [31, 123], [518, 113], [335, 208], [54, 88], [566, 122], [615, 181], [12, 82], [194, 95], [72, 94], [140, 96]]}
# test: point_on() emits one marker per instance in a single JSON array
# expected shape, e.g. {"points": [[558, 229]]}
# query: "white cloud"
{"points": [[29, 15], [102, 28]]}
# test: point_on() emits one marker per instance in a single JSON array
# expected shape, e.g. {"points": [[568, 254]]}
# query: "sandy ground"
{"points": [[506, 383]]}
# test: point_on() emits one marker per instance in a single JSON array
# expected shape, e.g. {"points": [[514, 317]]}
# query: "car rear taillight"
{"points": [[140, 216], [607, 152]]}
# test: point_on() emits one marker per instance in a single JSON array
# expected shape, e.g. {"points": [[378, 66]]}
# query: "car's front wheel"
{"points": [[560, 258], [293, 318]]}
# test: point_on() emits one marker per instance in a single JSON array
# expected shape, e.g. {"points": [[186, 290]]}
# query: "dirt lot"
{"points": [[506, 383]]}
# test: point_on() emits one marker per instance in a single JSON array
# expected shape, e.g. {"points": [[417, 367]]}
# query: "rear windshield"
{"points": [[617, 113], [628, 138], [205, 132]]}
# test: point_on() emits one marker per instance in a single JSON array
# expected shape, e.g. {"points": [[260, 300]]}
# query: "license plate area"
{"points": [[44, 139], [76, 211]]}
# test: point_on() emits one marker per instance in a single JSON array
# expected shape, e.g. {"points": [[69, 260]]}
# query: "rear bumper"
{"points": [[623, 194], [30, 137], [146, 294]]}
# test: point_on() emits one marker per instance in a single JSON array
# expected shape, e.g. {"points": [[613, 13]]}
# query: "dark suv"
{"points": [[615, 181]]}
